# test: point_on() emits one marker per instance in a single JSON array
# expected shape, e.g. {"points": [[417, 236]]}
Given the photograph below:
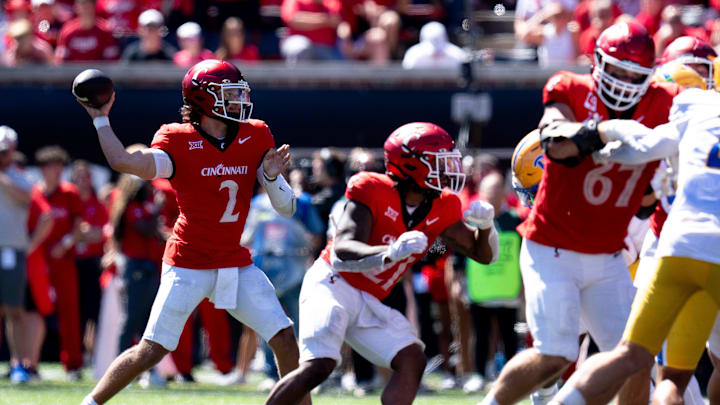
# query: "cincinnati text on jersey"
{"points": [[222, 170]]}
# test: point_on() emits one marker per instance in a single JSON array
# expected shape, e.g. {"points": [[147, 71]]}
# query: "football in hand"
{"points": [[93, 88]]}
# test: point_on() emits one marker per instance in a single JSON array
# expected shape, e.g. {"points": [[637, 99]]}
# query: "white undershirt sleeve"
{"points": [[641, 144], [280, 193], [163, 164], [494, 243]]}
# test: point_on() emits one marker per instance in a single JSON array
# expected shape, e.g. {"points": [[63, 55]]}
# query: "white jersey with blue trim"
{"points": [[693, 225]]}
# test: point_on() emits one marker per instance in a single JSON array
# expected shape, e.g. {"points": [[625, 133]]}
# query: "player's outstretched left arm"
{"points": [[640, 144], [281, 195], [140, 163], [479, 242]]}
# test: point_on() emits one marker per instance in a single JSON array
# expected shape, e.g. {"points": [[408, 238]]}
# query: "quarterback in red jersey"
{"points": [[212, 161], [571, 258], [389, 223]]}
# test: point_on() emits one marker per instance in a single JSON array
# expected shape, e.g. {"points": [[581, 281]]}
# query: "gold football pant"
{"points": [[679, 285]]}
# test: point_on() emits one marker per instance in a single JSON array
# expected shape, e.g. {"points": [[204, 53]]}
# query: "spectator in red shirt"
{"points": [[86, 38], [121, 15], [232, 42], [650, 15], [89, 250], [312, 28], [46, 23], [383, 19], [191, 51], [40, 302], [601, 17], [26, 48], [583, 13], [134, 217], [17, 9], [66, 209]]}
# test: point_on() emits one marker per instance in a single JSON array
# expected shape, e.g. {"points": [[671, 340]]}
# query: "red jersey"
{"points": [[168, 215], [78, 44], [249, 53], [95, 214], [38, 207], [37, 271], [587, 208], [378, 193], [135, 245], [65, 207], [324, 35], [121, 15], [651, 23], [214, 183], [184, 58]]}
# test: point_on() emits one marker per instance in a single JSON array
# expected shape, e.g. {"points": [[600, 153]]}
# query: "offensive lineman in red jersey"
{"points": [[570, 259], [212, 161], [389, 222]]}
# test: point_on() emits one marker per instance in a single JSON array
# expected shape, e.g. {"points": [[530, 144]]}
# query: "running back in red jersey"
{"points": [[378, 193]]}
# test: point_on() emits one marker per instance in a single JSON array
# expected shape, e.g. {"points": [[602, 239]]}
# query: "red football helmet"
{"points": [[217, 88], [425, 155], [623, 66], [692, 51]]}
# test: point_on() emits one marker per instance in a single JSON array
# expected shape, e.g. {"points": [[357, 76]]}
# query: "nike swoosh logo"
{"points": [[242, 141], [431, 221]]}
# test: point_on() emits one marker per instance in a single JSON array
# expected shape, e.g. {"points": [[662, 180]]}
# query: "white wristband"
{"points": [[100, 122]]}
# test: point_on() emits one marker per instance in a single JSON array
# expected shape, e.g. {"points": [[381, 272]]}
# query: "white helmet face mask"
{"points": [[232, 100], [445, 170], [619, 95]]}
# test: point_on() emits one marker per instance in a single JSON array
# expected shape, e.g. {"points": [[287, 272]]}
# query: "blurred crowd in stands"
{"points": [[94, 252], [564, 31], [420, 33], [187, 31]]}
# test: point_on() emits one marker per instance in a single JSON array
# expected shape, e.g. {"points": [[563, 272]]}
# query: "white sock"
{"points": [[568, 396], [88, 400], [489, 400], [692, 395]]}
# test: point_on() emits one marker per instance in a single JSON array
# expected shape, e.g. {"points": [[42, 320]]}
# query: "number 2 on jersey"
{"points": [[228, 215], [595, 177]]}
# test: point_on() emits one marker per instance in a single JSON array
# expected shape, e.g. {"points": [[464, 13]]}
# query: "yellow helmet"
{"points": [[689, 53], [527, 167], [680, 73]]}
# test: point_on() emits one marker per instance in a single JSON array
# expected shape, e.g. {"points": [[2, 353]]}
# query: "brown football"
{"points": [[92, 87]]}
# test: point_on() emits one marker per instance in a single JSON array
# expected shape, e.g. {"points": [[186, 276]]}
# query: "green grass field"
{"points": [[53, 389]]}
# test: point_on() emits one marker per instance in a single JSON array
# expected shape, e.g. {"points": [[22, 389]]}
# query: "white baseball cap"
{"points": [[38, 3], [151, 17], [434, 33], [8, 134], [189, 30]]}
